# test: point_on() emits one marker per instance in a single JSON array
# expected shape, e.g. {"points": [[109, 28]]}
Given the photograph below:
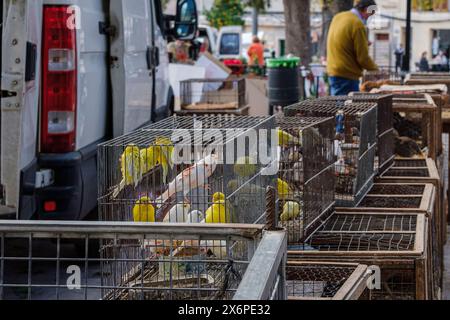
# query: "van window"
{"points": [[229, 44]]}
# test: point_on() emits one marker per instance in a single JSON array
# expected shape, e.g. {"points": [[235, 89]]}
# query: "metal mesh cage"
{"points": [[410, 171], [186, 169], [174, 268], [306, 173], [385, 130], [61, 261], [321, 280], [401, 196], [393, 242], [356, 142], [383, 74], [417, 121], [212, 94]]}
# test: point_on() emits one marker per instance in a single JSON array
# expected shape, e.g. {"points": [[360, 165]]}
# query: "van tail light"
{"points": [[59, 81]]}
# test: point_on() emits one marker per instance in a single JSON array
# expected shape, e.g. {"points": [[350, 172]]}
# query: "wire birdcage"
{"points": [[401, 197], [373, 80], [395, 243], [384, 73], [425, 171], [137, 261], [306, 173], [385, 130], [189, 169], [356, 143], [213, 94], [325, 281], [418, 121]]}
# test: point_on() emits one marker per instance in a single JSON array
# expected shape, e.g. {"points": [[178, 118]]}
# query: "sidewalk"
{"points": [[446, 293]]}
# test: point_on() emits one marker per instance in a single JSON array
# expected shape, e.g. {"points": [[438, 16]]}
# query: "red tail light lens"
{"points": [[59, 81]]}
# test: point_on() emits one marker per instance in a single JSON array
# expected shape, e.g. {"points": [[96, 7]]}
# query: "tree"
{"points": [[226, 13], [298, 29]]}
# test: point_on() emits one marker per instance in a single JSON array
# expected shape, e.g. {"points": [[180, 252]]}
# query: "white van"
{"points": [[230, 43], [76, 73]]}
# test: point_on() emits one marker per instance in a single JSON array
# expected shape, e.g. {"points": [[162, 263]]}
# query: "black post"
{"points": [[407, 59]]}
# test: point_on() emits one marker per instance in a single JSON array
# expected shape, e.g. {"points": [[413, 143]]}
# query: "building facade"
{"points": [[430, 29]]}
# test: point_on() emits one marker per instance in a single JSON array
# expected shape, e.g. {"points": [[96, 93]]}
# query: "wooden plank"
{"points": [[354, 287]]}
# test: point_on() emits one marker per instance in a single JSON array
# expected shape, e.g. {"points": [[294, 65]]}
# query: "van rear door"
{"points": [[20, 60], [132, 64]]}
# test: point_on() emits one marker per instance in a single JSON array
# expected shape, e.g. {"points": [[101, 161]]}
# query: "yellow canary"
{"points": [[218, 196], [143, 210], [283, 189], [286, 139], [150, 157], [291, 210], [166, 149], [130, 165], [217, 213]]}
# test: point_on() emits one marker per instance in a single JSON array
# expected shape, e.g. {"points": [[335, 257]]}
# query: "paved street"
{"points": [[44, 275], [446, 293]]}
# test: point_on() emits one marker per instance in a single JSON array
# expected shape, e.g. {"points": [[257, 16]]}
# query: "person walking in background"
{"points": [[256, 53], [424, 66], [348, 48], [442, 61], [399, 54]]}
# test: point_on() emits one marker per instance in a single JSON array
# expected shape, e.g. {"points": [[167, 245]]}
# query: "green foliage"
{"points": [[226, 13], [231, 12]]}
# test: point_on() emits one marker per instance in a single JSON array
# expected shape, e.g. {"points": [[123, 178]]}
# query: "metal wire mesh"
{"points": [[125, 261], [316, 281], [385, 129], [399, 189], [393, 242], [398, 283], [186, 169], [410, 163], [213, 94], [384, 73], [423, 173], [356, 143], [306, 173], [417, 120]]}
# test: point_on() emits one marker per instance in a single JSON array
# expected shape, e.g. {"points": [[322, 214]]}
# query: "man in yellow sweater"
{"points": [[348, 48]]}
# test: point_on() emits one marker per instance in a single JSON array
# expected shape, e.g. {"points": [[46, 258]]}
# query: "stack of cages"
{"points": [[306, 174], [392, 244], [355, 143], [416, 198], [319, 281], [429, 78], [418, 122], [189, 170], [139, 261], [213, 94], [407, 171], [385, 131]]}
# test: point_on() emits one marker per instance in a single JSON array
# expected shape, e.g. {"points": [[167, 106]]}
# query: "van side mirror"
{"points": [[186, 20]]}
